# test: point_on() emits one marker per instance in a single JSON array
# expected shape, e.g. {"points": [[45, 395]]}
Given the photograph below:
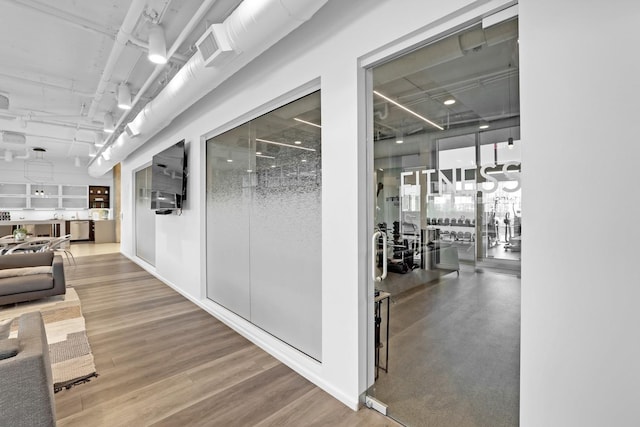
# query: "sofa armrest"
{"points": [[57, 269], [26, 389]]}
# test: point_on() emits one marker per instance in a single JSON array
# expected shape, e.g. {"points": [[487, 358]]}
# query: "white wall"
{"points": [[580, 278]]}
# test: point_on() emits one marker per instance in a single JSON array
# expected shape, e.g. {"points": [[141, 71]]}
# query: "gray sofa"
{"points": [[26, 389], [29, 276]]}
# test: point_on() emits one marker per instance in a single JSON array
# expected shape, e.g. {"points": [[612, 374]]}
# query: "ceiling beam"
{"points": [[45, 85], [69, 18]]}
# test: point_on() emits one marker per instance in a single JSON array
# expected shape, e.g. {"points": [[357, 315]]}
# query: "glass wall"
{"points": [[446, 171], [447, 151], [145, 218], [264, 222]]}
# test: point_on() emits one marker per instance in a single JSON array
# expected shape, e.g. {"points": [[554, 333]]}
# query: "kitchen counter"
{"points": [[22, 222], [104, 231]]}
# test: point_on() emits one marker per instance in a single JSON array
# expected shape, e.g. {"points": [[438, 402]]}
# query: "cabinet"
{"points": [[13, 196], [42, 196], [80, 229], [98, 197]]}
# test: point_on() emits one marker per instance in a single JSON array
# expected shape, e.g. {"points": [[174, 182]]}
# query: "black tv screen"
{"points": [[169, 178]]}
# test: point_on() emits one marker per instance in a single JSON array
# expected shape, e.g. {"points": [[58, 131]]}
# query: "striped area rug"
{"points": [[69, 351]]}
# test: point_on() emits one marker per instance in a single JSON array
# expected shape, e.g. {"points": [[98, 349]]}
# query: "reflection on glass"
{"points": [[264, 222]]}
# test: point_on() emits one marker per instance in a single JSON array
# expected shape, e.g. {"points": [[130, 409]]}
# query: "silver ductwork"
{"points": [[253, 27]]}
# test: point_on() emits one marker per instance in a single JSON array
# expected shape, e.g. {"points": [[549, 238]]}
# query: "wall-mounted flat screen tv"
{"points": [[169, 178]]}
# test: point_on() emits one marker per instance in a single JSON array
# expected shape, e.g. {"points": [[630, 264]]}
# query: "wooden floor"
{"points": [[163, 361]]}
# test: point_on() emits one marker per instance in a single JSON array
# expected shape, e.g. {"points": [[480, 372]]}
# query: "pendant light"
{"points": [[108, 123], [124, 96], [157, 45]]}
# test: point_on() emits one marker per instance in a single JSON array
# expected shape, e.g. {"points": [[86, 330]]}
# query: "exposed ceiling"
{"points": [[478, 68], [53, 58]]}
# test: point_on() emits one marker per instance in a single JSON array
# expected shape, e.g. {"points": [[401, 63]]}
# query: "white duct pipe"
{"points": [[253, 27], [127, 27]]}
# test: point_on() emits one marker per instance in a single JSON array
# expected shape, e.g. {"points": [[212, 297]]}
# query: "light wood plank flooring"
{"points": [[162, 361]]}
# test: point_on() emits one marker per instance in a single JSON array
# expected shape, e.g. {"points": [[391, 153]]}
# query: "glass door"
{"points": [[145, 238], [445, 171]]}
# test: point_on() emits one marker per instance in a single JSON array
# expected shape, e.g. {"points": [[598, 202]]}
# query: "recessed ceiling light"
{"points": [[399, 141], [449, 101], [297, 142], [303, 160], [273, 166], [229, 160], [258, 153], [484, 127], [249, 170]]}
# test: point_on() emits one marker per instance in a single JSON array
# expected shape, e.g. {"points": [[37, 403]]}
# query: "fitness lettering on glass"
{"points": [[447, 179]]}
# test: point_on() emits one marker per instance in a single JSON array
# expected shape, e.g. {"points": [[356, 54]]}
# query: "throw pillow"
{"points": [[8, 348], [5, 328]]}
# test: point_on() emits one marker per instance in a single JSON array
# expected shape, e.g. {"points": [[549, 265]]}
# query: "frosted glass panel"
{"points": [[145, 218], [228, 201], [286, 238], [264, 235]]}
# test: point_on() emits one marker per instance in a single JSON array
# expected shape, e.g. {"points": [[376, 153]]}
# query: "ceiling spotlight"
{"points": [[483, 127], [399, 138], [76, 162], [510, 143], [258, 153], [449, 101], [304, 160], [98, 141], [124, 96], [157, 45], [229, 160], [109, 127], [297, 142], [249, 170]]}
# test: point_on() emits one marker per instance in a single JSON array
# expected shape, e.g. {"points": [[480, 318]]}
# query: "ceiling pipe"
{"points": [[27, 118], [46, 85], [74, 20], [253, 27], [128, 25], [186, 31]]}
